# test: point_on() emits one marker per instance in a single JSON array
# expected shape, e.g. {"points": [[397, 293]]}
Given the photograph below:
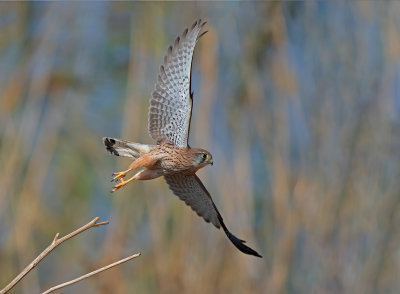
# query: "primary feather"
{"points": [[171, 103]]}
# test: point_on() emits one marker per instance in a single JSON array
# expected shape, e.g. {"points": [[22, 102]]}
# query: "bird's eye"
{"points": [[204, 155]]}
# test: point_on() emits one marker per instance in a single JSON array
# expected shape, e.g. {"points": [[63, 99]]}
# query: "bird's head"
{"points": [[202, 157]]}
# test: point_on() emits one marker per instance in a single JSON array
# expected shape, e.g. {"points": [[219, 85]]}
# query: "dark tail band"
{"points": [[109, 143], [236, 241]]}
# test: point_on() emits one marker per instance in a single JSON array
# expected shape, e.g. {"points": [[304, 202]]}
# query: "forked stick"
{"points": [[54, 244]]}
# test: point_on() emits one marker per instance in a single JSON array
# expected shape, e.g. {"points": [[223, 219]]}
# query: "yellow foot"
{"points": [[119, 175], [120, 185]]}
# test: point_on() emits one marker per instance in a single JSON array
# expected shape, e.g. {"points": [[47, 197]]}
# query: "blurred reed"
{"points": [[298, 103]]}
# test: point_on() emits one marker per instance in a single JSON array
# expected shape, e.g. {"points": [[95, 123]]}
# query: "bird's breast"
{"points": [[175, 159]]}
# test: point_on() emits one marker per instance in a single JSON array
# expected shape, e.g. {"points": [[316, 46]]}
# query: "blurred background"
{"points": [[298, 103]]}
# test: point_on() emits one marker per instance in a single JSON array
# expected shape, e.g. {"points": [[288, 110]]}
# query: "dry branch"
{"points": [[90, 274], [54, 244]]}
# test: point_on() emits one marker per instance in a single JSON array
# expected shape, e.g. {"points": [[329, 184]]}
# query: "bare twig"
{"points": [[90, 274], [54, 244]]}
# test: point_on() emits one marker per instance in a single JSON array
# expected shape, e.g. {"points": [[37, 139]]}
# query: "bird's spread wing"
{"points": [[171, 103], [191, 190], [188, 189]]}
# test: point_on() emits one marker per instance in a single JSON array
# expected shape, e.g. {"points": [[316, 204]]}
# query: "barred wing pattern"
{"points": [[188, 189], [191, 190], [171, 103]]}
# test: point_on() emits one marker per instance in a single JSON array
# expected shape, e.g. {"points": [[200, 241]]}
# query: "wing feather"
{"points": [[191, 190], [171, 103]]}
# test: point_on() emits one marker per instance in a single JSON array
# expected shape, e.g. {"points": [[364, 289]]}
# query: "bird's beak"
{"points": [[211, 162]]}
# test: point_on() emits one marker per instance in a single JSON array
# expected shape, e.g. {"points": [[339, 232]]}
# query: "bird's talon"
{"points": [[120, 185], [118, 176]]}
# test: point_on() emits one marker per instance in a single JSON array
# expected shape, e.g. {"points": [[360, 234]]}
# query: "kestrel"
{"points": [[170, 112]]}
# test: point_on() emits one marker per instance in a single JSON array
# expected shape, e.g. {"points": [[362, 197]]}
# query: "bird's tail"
{"points": [[125, 148]]}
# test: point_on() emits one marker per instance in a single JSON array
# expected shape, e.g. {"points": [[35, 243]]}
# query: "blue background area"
{"points": [[298, 103]]}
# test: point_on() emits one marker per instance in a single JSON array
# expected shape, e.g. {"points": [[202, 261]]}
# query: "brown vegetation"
{"points": [[298, 103]]}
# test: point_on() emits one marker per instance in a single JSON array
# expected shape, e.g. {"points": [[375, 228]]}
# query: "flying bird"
{"points": [[170, 112]]}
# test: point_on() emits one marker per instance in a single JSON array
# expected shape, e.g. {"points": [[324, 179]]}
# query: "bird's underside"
{"points": [[169, 123]]}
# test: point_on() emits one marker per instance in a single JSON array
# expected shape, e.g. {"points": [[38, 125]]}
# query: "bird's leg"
{"points": [[120, 175], [122, 183], [146, 174], [144, 161], [135, 164]]}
